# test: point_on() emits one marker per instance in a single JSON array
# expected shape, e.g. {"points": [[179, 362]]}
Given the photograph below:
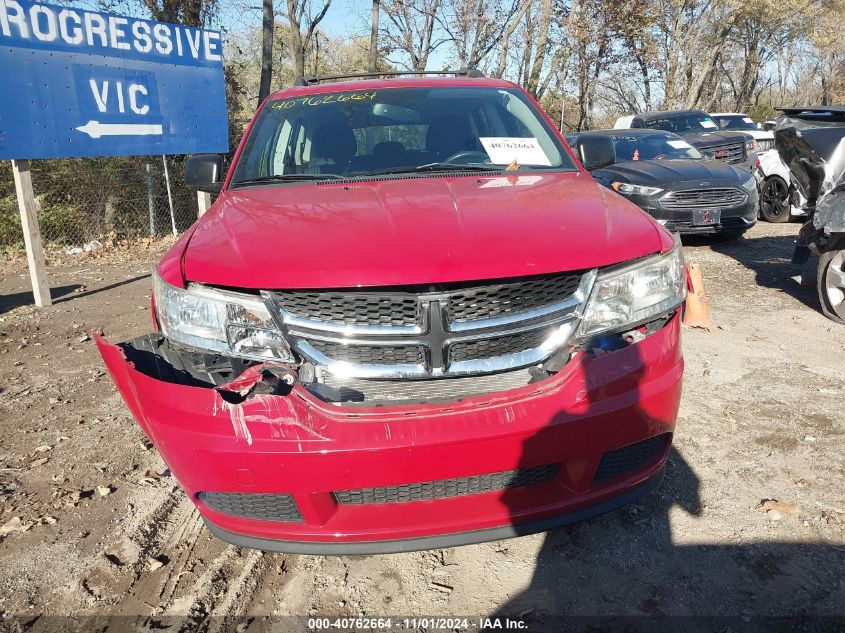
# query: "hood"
{"points": [[709, 139], [760, 135], [415, 231], [659, 173]]}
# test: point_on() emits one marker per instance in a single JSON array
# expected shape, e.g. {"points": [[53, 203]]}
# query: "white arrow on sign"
{"points": [[95, 129]]}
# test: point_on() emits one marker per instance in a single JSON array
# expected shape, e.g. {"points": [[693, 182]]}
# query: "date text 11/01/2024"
{"points": [[414, 624]]}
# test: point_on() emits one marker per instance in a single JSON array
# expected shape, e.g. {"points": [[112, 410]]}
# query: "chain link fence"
{"points": [[88, 202]]}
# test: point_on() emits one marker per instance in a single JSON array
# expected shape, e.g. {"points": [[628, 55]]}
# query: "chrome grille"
{"points": [[703, 198], [465, 329], [729, 152]]}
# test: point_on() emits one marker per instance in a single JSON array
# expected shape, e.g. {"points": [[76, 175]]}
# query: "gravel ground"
{"points": [[104, 530]]}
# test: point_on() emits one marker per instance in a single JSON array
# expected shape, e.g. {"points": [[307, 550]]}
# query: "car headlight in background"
{"points": [[637, 190], [750, 145], [749, 184], [634, 294], [226, 322]]}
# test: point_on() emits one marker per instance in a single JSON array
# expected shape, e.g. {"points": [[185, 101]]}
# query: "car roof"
{"points": [[835, 109], [728, 114], [381, 84], [664, 113], [637, 131]]}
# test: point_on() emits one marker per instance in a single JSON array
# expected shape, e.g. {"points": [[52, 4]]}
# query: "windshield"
{"points": [[683, 123], [738, 122], [398, 130], [653, 147]]}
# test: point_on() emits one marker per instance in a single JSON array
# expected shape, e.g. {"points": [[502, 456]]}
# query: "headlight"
{"points": [[226, 322], [750, 185], [750, 145], [634, 294], [639, 190]]}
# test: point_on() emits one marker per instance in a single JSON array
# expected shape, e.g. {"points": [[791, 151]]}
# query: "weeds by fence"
{"points": [[81, 201]]}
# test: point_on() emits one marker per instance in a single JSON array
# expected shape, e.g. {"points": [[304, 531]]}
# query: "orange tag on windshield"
{"points": [[513, 166]]}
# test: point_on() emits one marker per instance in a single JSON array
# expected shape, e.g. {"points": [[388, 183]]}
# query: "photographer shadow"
{"points": [[652, 565]]}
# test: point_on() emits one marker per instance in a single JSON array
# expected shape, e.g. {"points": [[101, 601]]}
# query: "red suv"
{"points": [[411, 319]]}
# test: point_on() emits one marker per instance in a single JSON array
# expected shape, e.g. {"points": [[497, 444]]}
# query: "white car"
{"points": [[779, 199], [739, 122]]}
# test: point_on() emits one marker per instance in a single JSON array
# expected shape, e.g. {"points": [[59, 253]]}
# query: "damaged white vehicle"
{"points": [[811, 142], [780, 200]]}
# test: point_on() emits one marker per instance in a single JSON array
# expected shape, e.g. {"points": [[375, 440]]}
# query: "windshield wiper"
{"points": [[434, 167], [286, 178]]}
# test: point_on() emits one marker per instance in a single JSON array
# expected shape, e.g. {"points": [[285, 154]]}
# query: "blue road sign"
{"points": [[82, 83]]}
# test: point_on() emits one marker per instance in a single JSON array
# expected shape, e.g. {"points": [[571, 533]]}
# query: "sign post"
{"points": [[31, 233], [203, 202], [79, 83]]}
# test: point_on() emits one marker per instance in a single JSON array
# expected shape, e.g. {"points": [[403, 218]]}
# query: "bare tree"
{"points": [[476, 27], [299, 17], [411, 30], [187, 12], [373, 56], [267, 23]]}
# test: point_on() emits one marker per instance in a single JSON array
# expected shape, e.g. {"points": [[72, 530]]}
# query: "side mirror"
{"points": [[205, 172], [595, 152]]}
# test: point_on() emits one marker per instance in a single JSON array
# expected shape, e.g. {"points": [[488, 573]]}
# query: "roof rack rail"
{"points": [[832, 109], [461, 72]]}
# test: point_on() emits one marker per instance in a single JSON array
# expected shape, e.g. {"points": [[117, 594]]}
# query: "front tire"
{"points": [[774, 200], [830, 282]]}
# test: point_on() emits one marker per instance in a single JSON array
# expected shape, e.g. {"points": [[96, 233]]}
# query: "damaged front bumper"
{"points": [[272, 466]]}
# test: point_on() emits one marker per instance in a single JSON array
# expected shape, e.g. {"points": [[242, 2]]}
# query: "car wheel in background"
{"points": [[774, 200], [831, 283]]}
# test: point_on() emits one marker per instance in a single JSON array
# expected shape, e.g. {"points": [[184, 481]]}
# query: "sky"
{"points": [[343, 19]]}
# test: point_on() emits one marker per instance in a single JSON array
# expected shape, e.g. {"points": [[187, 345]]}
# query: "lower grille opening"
{"points": [[446, 488], [628, 459], [261, 506], [352, 392]]}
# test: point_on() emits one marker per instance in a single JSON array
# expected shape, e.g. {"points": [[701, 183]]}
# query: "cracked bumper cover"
{"points": [[297, 445]]}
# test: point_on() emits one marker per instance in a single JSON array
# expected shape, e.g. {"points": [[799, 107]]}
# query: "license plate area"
{"points": [[706, 217]]}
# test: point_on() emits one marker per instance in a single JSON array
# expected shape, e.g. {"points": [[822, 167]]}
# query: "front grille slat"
{"points": [[371, 354], [720, 198], [356, 308], [486, 348], [486, 302], [445, 488]]}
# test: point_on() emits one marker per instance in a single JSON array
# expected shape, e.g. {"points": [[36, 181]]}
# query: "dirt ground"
{"points": [[93, 525]]}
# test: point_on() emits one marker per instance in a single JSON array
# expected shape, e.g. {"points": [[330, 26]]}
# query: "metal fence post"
{"points": [[150, 204], [169, 195]]}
